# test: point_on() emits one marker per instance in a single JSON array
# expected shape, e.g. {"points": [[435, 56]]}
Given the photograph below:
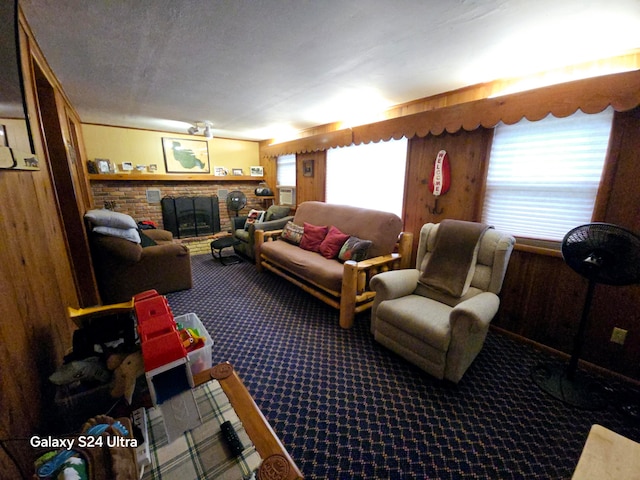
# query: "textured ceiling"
{"points": [[260, 69]]}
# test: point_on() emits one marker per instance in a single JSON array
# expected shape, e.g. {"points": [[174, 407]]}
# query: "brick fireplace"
{"points": [[131, 196]]}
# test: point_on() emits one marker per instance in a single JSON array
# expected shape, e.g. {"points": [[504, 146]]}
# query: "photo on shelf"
{"points": [[104, 165], [257, 171]]}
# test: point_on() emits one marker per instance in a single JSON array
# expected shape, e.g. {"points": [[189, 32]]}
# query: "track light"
{"points": [[204, 127]]}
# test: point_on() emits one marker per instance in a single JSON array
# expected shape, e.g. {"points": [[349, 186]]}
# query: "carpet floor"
{"points": [[347, 408]]}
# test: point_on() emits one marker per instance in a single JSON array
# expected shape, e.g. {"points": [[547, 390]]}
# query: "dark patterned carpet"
{"points": [[347, 408]]}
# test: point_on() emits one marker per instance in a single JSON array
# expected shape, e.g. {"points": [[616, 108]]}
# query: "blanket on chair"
{"points": [[451, 265]]}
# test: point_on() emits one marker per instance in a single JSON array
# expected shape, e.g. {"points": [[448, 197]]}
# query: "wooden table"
{"points": [[276, 464], [608, 455]]}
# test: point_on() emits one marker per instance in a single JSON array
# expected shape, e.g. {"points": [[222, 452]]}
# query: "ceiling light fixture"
{"points": [[207, 130], [204, 127]]}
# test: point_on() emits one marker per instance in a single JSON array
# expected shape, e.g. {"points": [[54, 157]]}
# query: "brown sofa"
{"points": [[124, 267], [344, 286]]}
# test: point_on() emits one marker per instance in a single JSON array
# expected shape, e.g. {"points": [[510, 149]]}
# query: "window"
{"points": [[543, 176], [286, 170], [368, 175]]}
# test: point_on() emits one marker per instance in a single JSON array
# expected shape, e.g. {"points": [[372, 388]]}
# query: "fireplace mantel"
{"points": [[152, 177]]}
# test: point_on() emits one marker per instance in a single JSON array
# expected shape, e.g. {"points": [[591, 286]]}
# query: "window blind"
{"points": [[368, 175], [286, 170], [543, 176]]}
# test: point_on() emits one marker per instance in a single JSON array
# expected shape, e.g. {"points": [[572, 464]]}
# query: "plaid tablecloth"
{"points": [[200, 453]]}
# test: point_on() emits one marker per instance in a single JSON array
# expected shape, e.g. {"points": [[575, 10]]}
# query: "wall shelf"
{"points": [[152, 177]]}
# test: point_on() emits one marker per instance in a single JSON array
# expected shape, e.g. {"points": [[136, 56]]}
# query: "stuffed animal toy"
{"points": [[126, 369]]}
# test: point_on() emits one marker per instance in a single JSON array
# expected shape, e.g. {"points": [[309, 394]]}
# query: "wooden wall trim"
{"points": [[591, 95], [324, 141]]}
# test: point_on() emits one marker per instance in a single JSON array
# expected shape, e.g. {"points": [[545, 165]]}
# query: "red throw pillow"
{"points": [[332, 243], [313, 236]]}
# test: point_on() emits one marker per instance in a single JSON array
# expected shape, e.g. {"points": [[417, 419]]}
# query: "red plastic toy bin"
{"points": [[162, 350], [151, 308]]}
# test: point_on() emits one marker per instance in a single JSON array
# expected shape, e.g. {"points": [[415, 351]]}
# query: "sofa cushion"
{"points": [[313, 236], [355, 249], [108, 218], [382, 228], [302, 263], [332, 243], [292, 233]]}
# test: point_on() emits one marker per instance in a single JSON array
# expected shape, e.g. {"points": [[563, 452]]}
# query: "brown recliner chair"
{"points": [[124, 268]]}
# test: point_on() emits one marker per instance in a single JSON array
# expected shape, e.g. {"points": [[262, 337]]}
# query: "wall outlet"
{"points": [[618, 335]]}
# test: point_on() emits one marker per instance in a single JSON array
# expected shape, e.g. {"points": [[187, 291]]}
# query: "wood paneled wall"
{"points": [[312, 187], [467, 153], [37, 282]]}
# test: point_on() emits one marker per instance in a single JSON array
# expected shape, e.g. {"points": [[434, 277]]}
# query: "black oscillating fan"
{"points": [[236, 201], [602, 253]]}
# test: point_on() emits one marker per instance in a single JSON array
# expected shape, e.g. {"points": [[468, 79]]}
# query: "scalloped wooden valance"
{"points": [[592, 95]]}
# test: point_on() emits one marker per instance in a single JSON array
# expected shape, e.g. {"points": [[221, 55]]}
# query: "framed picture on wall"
{"points": [[257, 171], [307, 168], [185, 155]]}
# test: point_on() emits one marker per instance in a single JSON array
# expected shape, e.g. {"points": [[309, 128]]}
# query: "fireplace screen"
{"points": [[191, 216]]}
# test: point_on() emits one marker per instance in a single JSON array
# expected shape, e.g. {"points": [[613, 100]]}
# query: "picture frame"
{"points": [[237, 171], [307, 168], [220, 171], [257, 171], [153, 167], [127, 166], [185, 155], [104, 165]]}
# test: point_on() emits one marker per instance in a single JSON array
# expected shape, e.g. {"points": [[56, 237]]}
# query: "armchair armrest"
{"points": [[394, 283], [159, 235], [273, 224], [475, 314], [163, 250], [356, 280], [469, 326]]}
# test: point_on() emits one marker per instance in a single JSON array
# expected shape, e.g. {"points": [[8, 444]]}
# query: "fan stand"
{"points": [[566, 384]]}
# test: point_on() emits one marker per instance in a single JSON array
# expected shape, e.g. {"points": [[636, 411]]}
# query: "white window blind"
{"points": [[286, 170], [368, 175], [543, 176]]}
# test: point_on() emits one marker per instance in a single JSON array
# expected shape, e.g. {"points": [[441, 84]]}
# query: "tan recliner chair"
{"points": [[442, 333]]}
